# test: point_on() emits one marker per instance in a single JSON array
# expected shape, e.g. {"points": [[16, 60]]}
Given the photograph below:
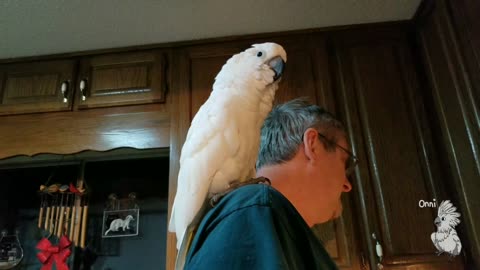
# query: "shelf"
{"points": [[42, 160]]}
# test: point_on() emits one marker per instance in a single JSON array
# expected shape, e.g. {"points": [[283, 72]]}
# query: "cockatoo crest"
{"points": [[447, 215]]}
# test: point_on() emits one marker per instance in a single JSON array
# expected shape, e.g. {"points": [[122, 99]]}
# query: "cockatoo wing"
{"points": [[194, 184], [202, 148], [434, 241], [458, 247]]}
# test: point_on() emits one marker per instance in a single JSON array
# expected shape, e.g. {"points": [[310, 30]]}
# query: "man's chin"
{"points": [[335, 214]]}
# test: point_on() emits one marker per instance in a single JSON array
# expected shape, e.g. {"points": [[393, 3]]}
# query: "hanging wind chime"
{"points": [[63, 215]]}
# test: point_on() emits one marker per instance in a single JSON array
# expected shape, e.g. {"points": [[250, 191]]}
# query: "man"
{"points": [[304, 153]]}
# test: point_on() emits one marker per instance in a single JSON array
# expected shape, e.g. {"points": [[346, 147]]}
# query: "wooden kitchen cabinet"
{"points": [[36, 86], [122, 79], [101, 81]]}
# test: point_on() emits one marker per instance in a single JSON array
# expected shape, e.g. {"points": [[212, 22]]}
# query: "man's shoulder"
{"points": [[264, 214]]}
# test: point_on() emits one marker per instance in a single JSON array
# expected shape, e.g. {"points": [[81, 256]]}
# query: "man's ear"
{"points": [[310, 141]]}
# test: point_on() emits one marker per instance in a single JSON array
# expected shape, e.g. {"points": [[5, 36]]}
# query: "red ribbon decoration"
{"points": [[50, 253]]}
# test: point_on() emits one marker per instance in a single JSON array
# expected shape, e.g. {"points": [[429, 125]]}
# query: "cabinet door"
{"points": [[386, 118], [306, 75], [449, 46], [122, 79], [36, 87]]}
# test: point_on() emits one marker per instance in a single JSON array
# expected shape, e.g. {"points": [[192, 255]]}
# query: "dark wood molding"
{"points": [[47, 160], [424, 10], [180, 107]]}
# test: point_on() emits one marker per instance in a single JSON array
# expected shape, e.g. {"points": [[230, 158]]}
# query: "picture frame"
{"points": [[120, 223]]}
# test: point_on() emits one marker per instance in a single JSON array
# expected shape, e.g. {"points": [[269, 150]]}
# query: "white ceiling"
{"points": [[41, 27]]}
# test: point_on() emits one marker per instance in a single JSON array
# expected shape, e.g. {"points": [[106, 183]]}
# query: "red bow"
{"points": [[50, 253]]}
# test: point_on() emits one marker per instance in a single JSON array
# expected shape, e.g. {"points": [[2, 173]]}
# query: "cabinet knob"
{"points": [[83, 89], [379, 251], [64, 89]]}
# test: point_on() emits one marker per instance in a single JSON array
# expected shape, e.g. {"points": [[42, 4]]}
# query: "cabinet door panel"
{"points": [[203, 75], [36, 87], [298, 79], [106, 78], [122, 79]]}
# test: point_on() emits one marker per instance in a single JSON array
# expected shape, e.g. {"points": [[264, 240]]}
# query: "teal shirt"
{"points": [[255, 227]]}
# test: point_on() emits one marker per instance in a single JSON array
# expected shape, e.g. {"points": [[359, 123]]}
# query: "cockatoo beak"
{"points": [[437, 221], [277, 65]]}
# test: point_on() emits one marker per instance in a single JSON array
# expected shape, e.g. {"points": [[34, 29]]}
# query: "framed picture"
{"points": [[120, 223]]}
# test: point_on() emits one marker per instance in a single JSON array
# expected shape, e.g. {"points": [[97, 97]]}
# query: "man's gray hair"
{"points": [[283, 129]]}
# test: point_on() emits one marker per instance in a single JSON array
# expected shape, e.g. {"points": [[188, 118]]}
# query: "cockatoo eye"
{"points": [[443, 218], [259, 54]]}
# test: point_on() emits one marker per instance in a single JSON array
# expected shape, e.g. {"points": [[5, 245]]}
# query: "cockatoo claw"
{"points": [[236, 184]]}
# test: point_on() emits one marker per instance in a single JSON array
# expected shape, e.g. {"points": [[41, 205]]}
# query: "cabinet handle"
{"points": [[83, 89], [65, 91], [379, 251]]}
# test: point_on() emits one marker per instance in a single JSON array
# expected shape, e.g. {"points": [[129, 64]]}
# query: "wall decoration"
{"points": [[11, 251], [121, 217], [64, 209]]}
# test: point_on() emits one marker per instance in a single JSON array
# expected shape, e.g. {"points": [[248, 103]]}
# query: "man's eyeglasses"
{"points": [[352, 160]]}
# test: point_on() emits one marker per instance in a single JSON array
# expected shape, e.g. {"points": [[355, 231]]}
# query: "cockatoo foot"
{"points": [[236, 184]]}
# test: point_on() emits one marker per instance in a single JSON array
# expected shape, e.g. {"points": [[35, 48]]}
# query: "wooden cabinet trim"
{"points": [[140, 127]]}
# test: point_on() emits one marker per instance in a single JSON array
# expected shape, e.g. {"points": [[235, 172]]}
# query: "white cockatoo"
{"points": [[446, 238], [224, 137]]}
